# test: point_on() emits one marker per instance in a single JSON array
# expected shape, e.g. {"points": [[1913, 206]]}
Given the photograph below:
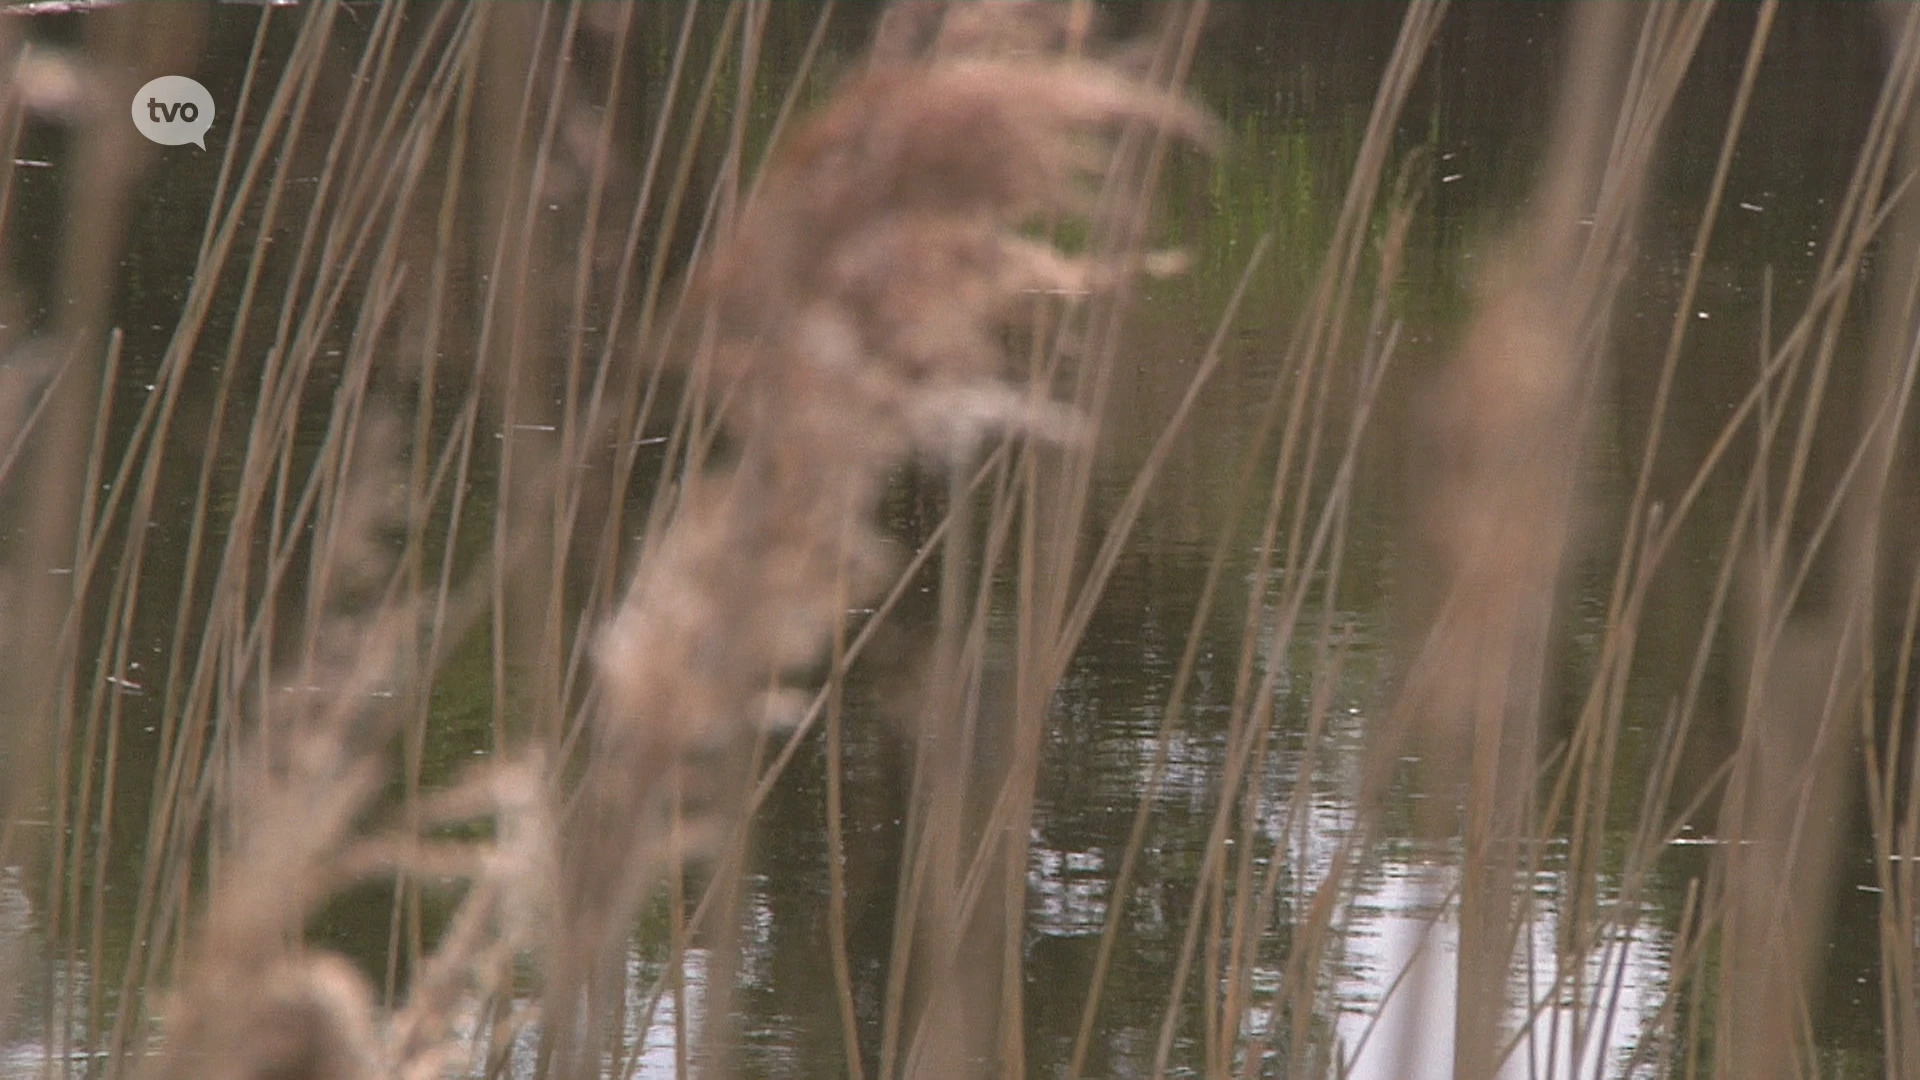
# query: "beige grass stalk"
{"points": [[1306, 352], [1809, 675], [1253, 907], [183, 722], [49, 573], [1037, 520], [851, 321], [1584, 780], [1511, 421], [1879, 537], [292, 785], [1766, 405], [20, 787]]}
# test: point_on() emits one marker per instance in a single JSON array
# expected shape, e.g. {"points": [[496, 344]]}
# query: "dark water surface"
{"points": [[1294, 83]]}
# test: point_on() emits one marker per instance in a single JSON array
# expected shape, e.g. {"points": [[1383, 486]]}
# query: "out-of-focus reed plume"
{"points": [[1512, 418], [853, 318], [253, 1002]]}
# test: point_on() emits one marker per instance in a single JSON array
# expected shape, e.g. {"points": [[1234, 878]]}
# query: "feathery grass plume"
{"points": [[852, 319], [253, 1002]]}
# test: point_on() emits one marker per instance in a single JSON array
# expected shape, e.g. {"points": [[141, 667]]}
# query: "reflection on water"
{"points": [[666, 1041], [1395, 983], [1068, 891]]}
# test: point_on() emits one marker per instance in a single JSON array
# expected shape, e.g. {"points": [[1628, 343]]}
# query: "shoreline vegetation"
{"points": [[622, 355]]}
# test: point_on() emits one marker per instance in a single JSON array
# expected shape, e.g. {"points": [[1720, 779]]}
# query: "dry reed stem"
{"points": [[184, 720], [1307, 352], [1253, 909], [263, 892], [853, 318], [1808, 677], [50, 570], [1591, 761], [254, 1005], [851, 322], [974, 774], [22, 377], [1879, 535], [250, 1004], [1511, 420], [519, 104]]}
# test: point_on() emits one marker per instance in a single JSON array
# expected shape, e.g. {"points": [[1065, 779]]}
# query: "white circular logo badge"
{"points": [[173, 110]]}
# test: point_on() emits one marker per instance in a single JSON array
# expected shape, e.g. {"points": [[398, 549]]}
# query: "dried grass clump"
{"points": [[254, 1002], [309, 1017], [256, 1005], [853, 318]]}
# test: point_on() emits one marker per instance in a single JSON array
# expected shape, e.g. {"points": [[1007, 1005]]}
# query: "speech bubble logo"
{"points": [[173, 110]]}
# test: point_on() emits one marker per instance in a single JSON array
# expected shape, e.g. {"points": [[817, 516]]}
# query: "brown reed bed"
{"points": [[609, 417]]}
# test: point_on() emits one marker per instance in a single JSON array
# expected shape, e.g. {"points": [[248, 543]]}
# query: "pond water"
{"points": [[1294, 84]]}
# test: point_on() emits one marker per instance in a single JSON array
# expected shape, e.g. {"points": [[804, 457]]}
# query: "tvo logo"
{"points": [[159, 112], [173, 110]]}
